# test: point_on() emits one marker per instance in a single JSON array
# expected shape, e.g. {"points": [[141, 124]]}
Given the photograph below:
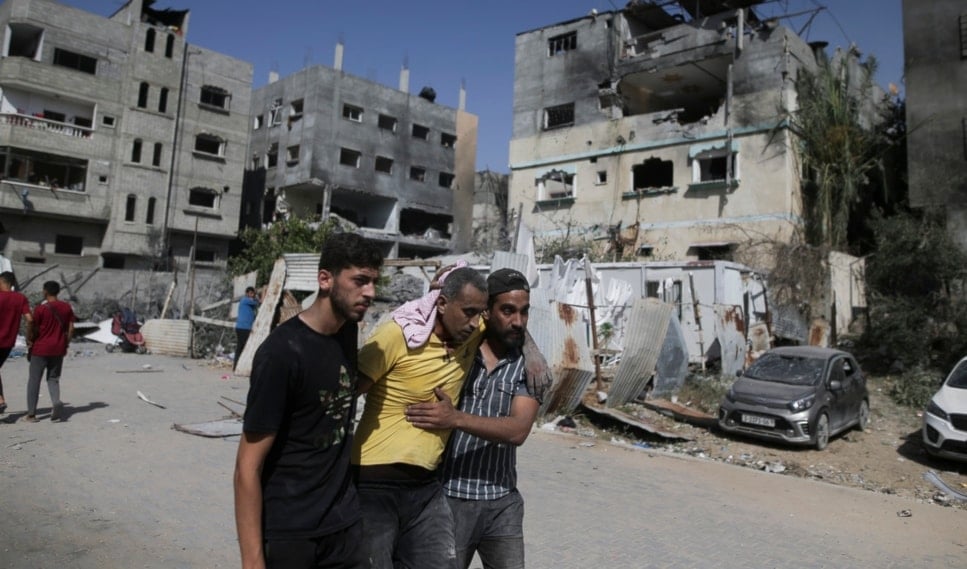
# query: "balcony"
{"points": [[45, 201], [47, 125]]}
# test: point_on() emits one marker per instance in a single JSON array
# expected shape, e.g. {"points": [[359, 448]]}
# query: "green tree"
{"points": [[263, 246]]}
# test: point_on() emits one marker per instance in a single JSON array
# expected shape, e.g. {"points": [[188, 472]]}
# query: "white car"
{"points": [[945, 422]]}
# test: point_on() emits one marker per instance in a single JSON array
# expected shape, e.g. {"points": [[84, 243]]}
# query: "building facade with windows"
{"points": [[935, 79], [397, 166], [121, 145], [656, 131]]}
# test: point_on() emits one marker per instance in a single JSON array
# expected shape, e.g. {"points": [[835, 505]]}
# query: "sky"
{"points": [[446, 43]]}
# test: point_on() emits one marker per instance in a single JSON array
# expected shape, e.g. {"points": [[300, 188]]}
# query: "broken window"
{"points": [[257, 122], [295, 110], [554, 185], [415, 222], [156, 157], [275, 112], [209, 144], [601, 177], [68, 245], [129, 206], [149, 40], [272, 155], [136, 151], [143, 89], [215, 97], [25, 41], [348, 157], [683, 94], [203, 197], [446, 180], [712, 251], [421, 132], [69, 59], [292, 155], [646, 251], [417, 173], [562, 43], [352, 112], [149, 216], [713, 166], [163, 100], [384, 164], [387, 122], [448, 140], [559, 116], [653, 173], [31, 167], [170, 46]]}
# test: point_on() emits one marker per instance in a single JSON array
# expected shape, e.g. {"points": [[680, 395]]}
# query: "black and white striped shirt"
{"points": [[473, 468]]}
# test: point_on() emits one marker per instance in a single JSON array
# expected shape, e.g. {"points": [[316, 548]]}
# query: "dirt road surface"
{"points": [[115, 487]]}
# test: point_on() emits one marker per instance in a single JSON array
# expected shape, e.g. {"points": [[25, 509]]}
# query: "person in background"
{"points": [[295, 503], [48, 336], [14, 306], [243, 324], [495, 416]]}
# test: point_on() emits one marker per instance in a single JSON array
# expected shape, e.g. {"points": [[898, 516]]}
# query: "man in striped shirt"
{"points": [[496, 413]]}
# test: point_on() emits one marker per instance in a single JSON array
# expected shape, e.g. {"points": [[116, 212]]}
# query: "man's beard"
{"points": [[342, 307]]}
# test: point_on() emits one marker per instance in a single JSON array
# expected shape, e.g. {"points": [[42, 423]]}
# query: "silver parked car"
{"points": [[945, 422], [800, 395]]}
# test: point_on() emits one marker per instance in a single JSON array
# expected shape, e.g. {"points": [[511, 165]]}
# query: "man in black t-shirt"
{"points": [[295, 503]]}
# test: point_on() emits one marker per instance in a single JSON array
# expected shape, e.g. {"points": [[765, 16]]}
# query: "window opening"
{"points": [[417, 173], [136, 151], [257, 122], [713, 166], [352, 112], [387, 122], [559, 116], [55, 116], [108, 121], [25, 41], [43, 169], [68, 245], [202, 197], [170, 46], [653, 173], [295, 110], [163, 100], [275, 112], [205, 256], [349, 157], [149, 216], [562, 43], [384, 164], [446, 180], [149, 40], [156, 157], [602, 177], [292, 155], [82, 63], [556, 184], [448, 140], [421, 132], [129, 207], [214, 96], [272, 156], [209, 144], [143, 95]]}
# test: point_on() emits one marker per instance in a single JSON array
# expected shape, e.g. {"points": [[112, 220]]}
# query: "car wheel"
{"points": [[821, 439], [863, 420]]}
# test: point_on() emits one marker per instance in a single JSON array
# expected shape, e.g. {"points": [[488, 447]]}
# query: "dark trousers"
{"points": [[52, 365], [493, 529], [4, 352], [339, 550], [407, 524], [241, 337]]}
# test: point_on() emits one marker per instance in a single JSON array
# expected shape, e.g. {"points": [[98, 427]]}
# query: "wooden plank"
{"points": [[263, 320], [216, 322], [215, 305]]}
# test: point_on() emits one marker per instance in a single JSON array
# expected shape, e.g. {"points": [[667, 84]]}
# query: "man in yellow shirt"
{"points": [[405, 515]]}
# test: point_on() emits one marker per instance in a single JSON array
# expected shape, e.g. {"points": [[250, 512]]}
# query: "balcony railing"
{"points": [[41, 123]]}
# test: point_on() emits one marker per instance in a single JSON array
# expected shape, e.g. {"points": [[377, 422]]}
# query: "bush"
{"points": [[915, 387], [705, 392], [263, 246]]}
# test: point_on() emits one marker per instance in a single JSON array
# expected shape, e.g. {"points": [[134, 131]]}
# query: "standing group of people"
{"points": [[428, 479], [49, 329]]}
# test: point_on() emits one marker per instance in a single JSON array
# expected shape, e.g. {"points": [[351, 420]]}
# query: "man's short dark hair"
{"points": [[9, 278], [52, 288], [344, 250], [249, 289], [454, 282]]}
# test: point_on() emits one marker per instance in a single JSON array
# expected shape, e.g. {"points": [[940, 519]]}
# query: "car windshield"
{"points": [[958, 377], [794, 370]]}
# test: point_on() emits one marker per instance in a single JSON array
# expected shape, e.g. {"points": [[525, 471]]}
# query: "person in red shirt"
{"points": [[13, 306], [50, 333]]}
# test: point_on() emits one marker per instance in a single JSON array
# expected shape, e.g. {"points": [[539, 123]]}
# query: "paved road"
{"points": [[115, 487]]}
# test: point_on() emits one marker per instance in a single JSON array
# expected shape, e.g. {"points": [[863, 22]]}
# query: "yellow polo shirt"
{"points": [[404, 376]]}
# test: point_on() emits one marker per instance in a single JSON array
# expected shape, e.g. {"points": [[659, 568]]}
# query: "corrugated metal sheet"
{"points": [[504, 260], [302, 271], [730, 332], [560, 332], [168, 337], [647, 327]]}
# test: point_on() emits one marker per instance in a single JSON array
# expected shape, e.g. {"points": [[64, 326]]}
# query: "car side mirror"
{"points": [[835, 384]]}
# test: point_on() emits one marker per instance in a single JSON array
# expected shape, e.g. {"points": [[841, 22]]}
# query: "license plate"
{"points": [[757, 420]]}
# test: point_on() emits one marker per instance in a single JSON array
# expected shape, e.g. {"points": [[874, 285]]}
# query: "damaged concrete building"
{"points": [[121, 145], [398, 167], [935, 70], [658, 128]]}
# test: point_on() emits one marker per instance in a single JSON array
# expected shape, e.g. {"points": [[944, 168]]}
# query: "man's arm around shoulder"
{"points": [[252, 450]]}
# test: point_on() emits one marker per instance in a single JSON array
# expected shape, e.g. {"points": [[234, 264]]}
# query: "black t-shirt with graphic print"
{"points": [[303, 390]]}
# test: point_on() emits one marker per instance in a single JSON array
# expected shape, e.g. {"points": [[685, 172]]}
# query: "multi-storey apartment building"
{"points": [[935, 70], [121, 145], [658, 128], [398, 166]]}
